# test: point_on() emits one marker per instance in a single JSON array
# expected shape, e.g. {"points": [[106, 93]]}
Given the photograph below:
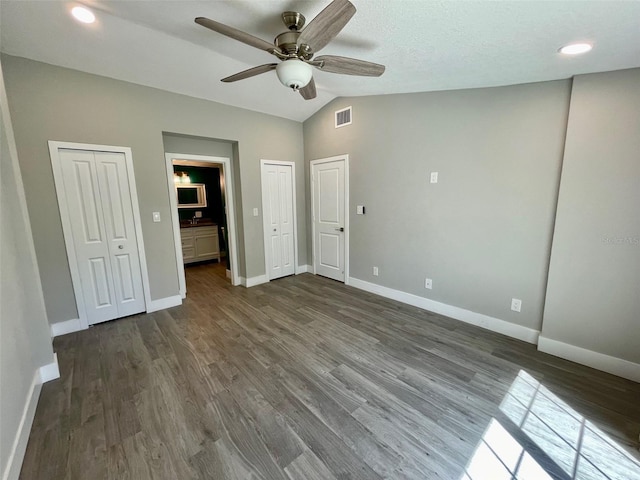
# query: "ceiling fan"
{"points": [[296, 48]]}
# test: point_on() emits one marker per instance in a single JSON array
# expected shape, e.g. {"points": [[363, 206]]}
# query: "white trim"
{"points": [[227, 274], [163, 303], [54, 153], [490, 323], [253, 281], [599, 361], [303, 269], [264, 217], [232, 244], [68, 326], [19, 447], [345, 158], [50, 371]]}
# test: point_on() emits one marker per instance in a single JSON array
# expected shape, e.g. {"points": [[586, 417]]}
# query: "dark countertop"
{"points": [[202, 223]]}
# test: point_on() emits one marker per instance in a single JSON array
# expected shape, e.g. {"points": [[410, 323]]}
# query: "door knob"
{"points": [[341, 229], [120, 247], [274, 229]]}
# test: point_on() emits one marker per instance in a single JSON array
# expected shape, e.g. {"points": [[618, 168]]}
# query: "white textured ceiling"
{"points": [[426, 45]]}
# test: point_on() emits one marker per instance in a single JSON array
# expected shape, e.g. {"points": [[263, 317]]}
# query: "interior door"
{"points": [[329, 218], [99, 205], [279, 230], [115, 196]]}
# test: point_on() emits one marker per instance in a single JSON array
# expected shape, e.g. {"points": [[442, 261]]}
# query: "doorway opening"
{"points": [[203, 215]]}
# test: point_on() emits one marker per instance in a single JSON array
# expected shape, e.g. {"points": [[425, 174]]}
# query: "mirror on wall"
{"points": [[192, 195]]}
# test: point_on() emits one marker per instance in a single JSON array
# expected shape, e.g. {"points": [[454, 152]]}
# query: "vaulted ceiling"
{"points": [[426, 45]]}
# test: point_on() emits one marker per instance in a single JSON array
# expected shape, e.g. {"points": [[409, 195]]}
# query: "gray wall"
{"points": [[593, 295], [175, 143], [25, 341], [53, 103], [483, 233]]}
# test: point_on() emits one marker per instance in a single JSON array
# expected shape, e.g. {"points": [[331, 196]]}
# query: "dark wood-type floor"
{"points": [[301, 378]]}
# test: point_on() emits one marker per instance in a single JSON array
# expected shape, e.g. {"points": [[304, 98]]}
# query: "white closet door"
{"points": [[329, 218], [123, 246], [89, 236], [279, 230], [101, 214]]}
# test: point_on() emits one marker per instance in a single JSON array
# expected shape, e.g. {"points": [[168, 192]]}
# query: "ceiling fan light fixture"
{"points": [[294, 73]]}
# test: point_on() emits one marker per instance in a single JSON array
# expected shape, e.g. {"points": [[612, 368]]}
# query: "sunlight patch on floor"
{"points": [[553, 442]]}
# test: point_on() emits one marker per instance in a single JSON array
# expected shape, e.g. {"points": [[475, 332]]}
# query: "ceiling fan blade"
{"points": [[236, 34], [327, 24], [348, 66], [252, 72], [309, 92]]}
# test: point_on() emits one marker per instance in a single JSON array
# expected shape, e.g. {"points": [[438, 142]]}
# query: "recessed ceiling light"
{"points": [[576, 48], [83, 14]]}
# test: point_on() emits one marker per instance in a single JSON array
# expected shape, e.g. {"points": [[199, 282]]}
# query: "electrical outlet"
{"points": [[428, 283], [156, 217], [434, 177], [255, 212], [375, 271], [516, 304], [359, 209], [198, 214]]}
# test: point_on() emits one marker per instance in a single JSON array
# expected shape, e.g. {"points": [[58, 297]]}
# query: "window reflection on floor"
{"points": [[541, 437]]}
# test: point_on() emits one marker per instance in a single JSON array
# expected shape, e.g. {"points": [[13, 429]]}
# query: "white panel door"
{"points": [[279, 230], [329, 218], [101, 213], [123, 245]]}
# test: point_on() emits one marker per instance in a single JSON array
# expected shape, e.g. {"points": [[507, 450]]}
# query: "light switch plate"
{"points": [[156, 217], [434, 177]]}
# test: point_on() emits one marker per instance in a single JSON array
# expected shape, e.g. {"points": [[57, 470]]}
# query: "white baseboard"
{"points": [[600, 361], [19, 447], [51, 371], [163, 303], [303, 269], [490, 323], [253, 281], [68, 326]]}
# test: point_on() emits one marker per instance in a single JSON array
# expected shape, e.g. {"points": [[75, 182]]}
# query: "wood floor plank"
{"points": [[306, 378], [308, 467]]}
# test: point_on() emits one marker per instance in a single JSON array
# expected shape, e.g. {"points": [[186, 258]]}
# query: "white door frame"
{"points": [[58, 178], [231, 213], [344, 157], [295, 215]]}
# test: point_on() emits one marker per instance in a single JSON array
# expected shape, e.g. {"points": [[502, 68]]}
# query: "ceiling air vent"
{"points": [[343, 117]]}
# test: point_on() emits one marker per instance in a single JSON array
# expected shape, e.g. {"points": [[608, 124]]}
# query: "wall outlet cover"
{"points": [[428, 283], [516, 304], [255, 212], [156, 217], [375, 271], [434, 177], [198, 214], [360, 210]]}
